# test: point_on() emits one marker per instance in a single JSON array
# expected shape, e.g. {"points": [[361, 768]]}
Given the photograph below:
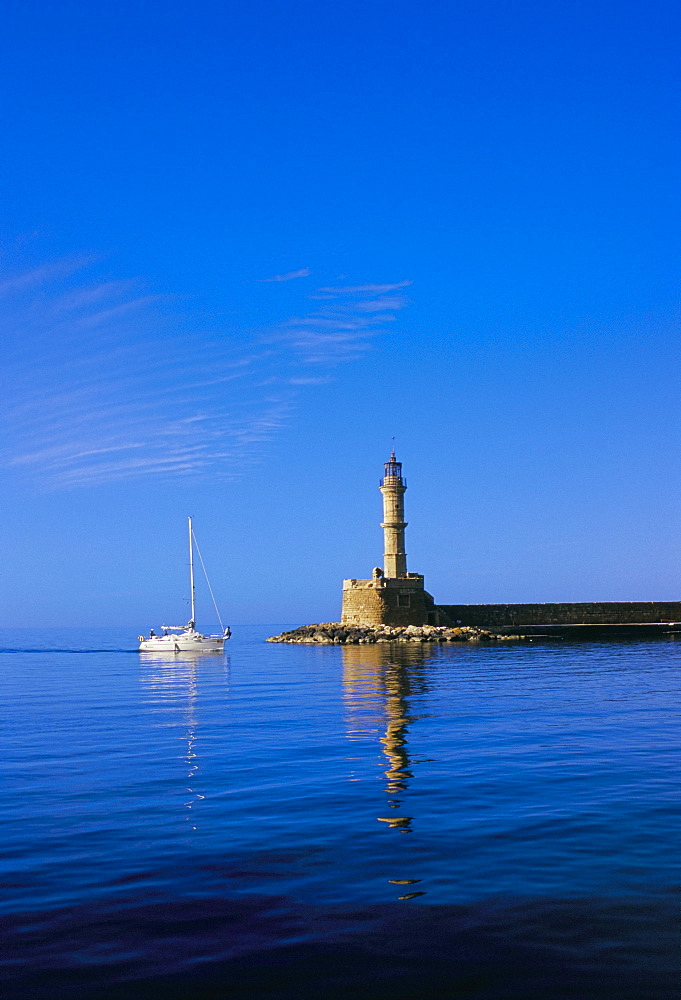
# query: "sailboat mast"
{"points": [[191, 569]]}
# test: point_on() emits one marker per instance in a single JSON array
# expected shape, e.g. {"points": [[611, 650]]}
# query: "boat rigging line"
{"points": [[203, 567]]}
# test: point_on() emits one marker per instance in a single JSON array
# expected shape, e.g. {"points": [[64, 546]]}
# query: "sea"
{"points": [[395, 821]]}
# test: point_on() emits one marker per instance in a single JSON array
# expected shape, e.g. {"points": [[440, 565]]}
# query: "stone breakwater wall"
{"points": [[600, 613], [334, 633]]}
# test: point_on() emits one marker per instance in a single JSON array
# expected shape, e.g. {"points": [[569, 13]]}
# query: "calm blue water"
{"points": [[251, 825]]}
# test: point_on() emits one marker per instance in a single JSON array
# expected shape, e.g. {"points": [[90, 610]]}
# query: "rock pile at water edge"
{"points": [[332, 633]]}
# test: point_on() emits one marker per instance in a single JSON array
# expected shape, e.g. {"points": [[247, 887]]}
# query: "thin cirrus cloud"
{"points": [[304, 272], [363, 289], [346, 326], [106, 382]]}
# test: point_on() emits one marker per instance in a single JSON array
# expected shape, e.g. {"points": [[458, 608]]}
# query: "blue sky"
{"points": [[244, 244]]}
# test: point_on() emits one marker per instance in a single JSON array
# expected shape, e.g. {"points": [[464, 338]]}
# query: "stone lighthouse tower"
{"points": [[393, 487], [392, 596]]}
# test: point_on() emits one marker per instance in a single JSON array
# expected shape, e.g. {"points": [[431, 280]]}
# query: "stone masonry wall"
{"points": [[365, 604], [601, 613], [421, 606]]}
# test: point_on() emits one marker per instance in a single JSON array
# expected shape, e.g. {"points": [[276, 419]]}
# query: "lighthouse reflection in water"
{"points": [[378, 681]]}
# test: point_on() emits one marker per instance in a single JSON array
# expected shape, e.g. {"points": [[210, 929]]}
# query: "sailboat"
{"points": [[185, 638]]}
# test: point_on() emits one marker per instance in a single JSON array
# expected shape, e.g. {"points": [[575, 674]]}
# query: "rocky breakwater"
{"points": [[333, 633]]}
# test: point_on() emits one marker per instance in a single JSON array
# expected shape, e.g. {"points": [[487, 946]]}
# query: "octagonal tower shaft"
{"points": [[393, 487]]}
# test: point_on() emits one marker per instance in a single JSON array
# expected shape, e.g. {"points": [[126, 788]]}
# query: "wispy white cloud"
{"points": [[106, 382], [304, 272], [309, 380], [363, 289], [346, 327], [38, 276]]}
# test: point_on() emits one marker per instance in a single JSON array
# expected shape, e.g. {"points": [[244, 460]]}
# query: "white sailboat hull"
{"points": [[183, 643]]}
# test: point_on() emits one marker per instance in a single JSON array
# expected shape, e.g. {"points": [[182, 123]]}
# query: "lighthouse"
{"points": [[392, 596], [393, 487]]}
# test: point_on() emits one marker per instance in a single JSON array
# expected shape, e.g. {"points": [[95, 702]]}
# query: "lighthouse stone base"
{"points": [[389, 601]]}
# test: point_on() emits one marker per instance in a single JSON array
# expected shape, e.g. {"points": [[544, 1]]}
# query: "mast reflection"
{"points": [[378, 680], [172, 678]]}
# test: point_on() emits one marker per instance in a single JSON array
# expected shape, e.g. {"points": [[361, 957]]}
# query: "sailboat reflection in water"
{"points": [[377, 683], [185, 638], [171, 684]]}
